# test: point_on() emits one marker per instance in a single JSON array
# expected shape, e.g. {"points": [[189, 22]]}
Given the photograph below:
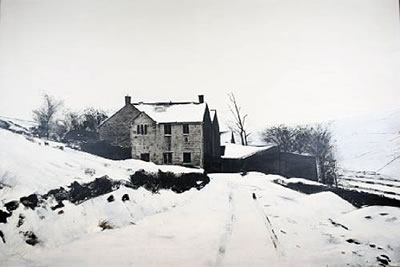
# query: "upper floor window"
{"points": [[185, 128], [141, 129], [167, 129]]}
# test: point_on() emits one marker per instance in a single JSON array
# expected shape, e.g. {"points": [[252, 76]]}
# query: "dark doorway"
{"points": [[167, 158], [145, 157]]}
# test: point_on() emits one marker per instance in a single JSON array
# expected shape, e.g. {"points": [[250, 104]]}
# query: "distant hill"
{"points": [[369, 143]]}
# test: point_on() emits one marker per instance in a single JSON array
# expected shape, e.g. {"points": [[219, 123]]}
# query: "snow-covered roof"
{"points": [[236, 151], [170, 112]]}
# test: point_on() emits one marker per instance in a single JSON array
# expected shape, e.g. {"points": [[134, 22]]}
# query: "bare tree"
{"points": [[281, 135], [44, 115], [239, 126], [315, 140], [321, 145]]}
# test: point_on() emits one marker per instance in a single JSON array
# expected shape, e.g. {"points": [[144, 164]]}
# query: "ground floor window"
{"points": [[187, 158], [167, 157], [145, 157]]}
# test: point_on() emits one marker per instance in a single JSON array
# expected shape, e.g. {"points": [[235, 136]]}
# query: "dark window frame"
{"points": [[167, 129], [185, 128]]}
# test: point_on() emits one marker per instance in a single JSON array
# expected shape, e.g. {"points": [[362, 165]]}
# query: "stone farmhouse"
{"points": [[179, 133]]}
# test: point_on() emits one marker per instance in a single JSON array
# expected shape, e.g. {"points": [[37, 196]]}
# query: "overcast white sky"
{"points": [[287, 61]]}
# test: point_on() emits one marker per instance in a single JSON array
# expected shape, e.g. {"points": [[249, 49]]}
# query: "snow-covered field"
{"points": [[233, 221], [368, 152], [369, 143]]}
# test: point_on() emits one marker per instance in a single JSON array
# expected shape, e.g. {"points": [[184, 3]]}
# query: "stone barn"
{"points": [[179, 133], [268, 160]]}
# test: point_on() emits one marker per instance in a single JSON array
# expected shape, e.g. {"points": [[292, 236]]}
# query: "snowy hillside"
{"points": [[28, 166], [369, 143]]}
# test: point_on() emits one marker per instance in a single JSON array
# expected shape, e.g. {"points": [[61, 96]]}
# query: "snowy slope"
{"points": [[28, 166], [369, 143], [223, 225]]}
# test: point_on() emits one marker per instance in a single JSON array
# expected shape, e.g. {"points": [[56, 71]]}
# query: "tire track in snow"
{"points": [[227, 233], [270, 228]]}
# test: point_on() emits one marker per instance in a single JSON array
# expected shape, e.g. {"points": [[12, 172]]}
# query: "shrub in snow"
{"points": [[12, 205], [125, 197], [105, 225], [100, 186], [168, 180], [30, 238], [58, 206], [21, 220], [30, 201], [3, 216], [59, 194]]}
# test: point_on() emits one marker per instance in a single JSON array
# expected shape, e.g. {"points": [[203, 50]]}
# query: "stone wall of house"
{"points": [[116, 130], [155, 142]]}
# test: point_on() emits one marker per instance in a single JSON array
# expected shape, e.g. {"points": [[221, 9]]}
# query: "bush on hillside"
{"points": [[168, 180]]}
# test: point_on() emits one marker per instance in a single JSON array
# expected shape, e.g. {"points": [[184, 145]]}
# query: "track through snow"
{"points": [[224, 224]]}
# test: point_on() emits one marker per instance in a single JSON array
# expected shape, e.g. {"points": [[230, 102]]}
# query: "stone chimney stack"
{"points": [[127, 100], [201, 99]]}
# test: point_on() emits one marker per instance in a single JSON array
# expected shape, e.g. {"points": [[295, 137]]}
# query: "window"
{"points": [[167, 129], [145, 157], [167, 158], [141, 129], [186, 129], [187, 158]]}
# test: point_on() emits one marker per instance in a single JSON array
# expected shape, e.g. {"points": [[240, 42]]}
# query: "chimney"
{"points": [[127, 100], [201, 99]]}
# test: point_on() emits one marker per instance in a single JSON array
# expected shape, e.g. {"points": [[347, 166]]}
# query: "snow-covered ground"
{"points": [[223, 225], [28, 166], [233, 221]]}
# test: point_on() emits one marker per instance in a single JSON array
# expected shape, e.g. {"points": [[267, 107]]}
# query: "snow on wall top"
{"points": [[18, 125], [169, 113], [235, 151]]}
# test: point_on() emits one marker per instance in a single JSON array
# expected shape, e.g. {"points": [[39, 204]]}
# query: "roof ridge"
{"points": [[166, 103]]}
